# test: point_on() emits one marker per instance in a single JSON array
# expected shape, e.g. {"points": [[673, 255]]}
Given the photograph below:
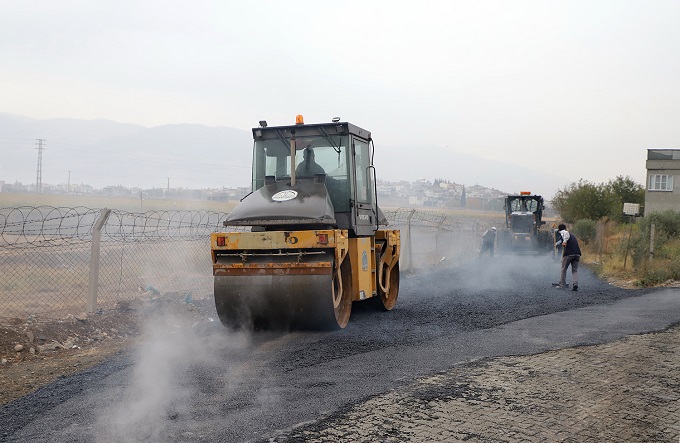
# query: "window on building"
{"points": [[660, 182]]}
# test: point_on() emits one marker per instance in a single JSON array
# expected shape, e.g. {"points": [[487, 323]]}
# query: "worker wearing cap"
{"points": [[571, 255], [488, 241]]}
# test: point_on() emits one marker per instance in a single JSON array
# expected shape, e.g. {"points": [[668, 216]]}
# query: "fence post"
{"points": [[599, 238], [651, 242], [94, 259], [625, 258], [408, 254], [436, 238]]}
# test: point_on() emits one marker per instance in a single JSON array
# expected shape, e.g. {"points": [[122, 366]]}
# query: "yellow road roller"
{"points": [[310, 239]]}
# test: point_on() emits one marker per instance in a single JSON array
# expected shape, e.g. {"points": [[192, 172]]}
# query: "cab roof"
{"points": [[333, 128]]}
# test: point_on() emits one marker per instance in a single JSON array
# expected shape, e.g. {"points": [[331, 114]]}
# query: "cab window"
{"points": [[362, 172], [330, 155]]}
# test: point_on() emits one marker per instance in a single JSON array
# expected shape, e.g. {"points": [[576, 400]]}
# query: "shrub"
{"points": [[585, 230], [667, 223], [659, 272], [667, 228]]}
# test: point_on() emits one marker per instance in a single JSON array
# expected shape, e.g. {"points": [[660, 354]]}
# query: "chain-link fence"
{"points": [[432, 237], [56, 260]]}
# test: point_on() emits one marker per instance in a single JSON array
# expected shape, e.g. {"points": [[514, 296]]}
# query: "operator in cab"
{"points": [[308, 167]]}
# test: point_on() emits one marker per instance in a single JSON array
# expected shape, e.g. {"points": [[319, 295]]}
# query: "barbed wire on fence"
{"points": [[430, 219], [46, 252], [26, 226], [157, 225]]}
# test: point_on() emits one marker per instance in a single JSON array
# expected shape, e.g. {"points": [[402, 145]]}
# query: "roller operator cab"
{"points": [[316, 239]]}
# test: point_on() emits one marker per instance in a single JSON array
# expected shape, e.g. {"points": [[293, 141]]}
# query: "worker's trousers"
{"points": [[486, 246], [573, 261]]}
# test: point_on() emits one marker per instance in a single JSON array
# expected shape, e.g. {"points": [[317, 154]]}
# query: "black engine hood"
{"points": [[279, 203]]}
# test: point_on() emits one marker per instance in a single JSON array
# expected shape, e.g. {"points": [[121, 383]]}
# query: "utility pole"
{"points": [[167, 193], [38, 177], [68, 186]]}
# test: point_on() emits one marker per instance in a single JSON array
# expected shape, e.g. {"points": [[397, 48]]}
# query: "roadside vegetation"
{"points": [[643, 251]]}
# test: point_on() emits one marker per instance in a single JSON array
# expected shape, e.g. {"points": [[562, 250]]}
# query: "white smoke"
{"points": [[161, 387]]}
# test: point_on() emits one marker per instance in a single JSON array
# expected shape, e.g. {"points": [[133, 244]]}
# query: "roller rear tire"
{"points": [[387, 301]]}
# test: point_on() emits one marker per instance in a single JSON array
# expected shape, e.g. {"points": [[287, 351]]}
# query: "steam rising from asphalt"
{"points": [[457, 252], [179, 358], [169, 367]]}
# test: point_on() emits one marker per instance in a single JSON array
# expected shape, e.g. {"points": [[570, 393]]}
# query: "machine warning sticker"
{"points": [[364, 261], [283, 196]]}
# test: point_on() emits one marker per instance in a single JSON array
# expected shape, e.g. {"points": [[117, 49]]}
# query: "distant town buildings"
{"points": [[422, 193], [440, 194]]}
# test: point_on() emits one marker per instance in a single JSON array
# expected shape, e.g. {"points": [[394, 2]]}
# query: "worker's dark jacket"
{"points": [[489, 237], [572, 246]]}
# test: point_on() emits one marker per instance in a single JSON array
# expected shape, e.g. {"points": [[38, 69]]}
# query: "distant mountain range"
{"points": [[103, 153]]}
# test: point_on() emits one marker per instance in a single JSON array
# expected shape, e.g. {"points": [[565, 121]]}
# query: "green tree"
{"points": [[625, 190], [587, 200], [584, 200], [585, 230]]}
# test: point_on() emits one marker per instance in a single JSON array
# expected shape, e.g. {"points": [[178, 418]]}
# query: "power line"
{"points": [[38, 178]]}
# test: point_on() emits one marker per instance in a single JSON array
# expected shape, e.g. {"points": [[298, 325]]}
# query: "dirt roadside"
{"points": [[37, 351]]}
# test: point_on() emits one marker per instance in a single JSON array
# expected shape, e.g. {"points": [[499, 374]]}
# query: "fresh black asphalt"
{"points": [[208, 384]]}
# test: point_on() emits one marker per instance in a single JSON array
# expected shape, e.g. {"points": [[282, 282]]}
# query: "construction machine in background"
{"points": [[525, 230], [315, 241]]}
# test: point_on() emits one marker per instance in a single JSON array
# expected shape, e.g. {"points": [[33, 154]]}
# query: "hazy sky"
{"points": [[581, 87]]}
